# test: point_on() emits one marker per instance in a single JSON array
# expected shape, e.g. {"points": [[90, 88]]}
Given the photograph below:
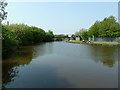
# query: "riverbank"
{"points": [[97, 43]]}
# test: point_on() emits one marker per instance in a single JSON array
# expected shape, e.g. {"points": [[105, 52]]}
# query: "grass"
{"points": [[95, 42], [75, 41], [115, 43]]}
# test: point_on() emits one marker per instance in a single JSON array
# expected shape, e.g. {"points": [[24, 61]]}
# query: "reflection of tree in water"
{"points": [[9, 66], [109, 63], [8, 74], [45, 76], [118, 54], [42, 49], [106, 54]]}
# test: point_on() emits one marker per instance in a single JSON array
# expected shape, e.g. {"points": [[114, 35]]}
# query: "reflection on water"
{"points": [[61, 65], [9, 66], [43, 48], [106, 54]]}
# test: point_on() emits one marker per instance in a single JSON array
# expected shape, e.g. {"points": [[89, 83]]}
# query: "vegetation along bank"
{"points": [[107, 28], [16, 35], [96, 43]]}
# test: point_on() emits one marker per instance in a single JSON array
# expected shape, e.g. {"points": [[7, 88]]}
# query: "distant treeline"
{"points": [[108, 27], [15, 35]]}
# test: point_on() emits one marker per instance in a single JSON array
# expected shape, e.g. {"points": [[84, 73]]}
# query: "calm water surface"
{"points": [[62, 65]]}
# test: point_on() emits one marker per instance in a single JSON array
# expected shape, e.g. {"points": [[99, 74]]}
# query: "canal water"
{"points": [[62, 65]]}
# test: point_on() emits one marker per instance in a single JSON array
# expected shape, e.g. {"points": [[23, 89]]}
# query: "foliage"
{"points": [[59, 39], [20, 34], [9, 42], [3, 14], [60, 35], [38, 34], [80, 32], [49, 36], [84, 35], [108, 27], [93, 30]]}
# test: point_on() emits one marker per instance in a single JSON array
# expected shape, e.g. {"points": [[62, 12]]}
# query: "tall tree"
{"points": [[108, 27], [93, 30], [3, 16], [84, 35]]}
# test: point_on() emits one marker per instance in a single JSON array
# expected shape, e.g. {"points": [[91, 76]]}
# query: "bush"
{"points": [[20, 34], [38, 34], [23, 33], [9, 41], [49, 36]]}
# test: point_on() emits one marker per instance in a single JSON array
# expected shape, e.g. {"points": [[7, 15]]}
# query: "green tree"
{"points": [[80, 32], [51, 33], [38, 34], [49, 36], [4, 37], [94, 29], [22, 33], [9, 41], [108, 27], [19, 34], [84, 35], [3, 13]]}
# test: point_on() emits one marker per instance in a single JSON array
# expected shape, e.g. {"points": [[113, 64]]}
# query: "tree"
{"points": [[51, 33], [3, 16], [9, 41], [38, 34], [15, 35], [49, 36], [94, 29], [108, 27], [3, 13], [80, 32], [84, 35]]}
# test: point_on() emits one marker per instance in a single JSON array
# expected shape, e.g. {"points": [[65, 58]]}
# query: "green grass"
{"points": [[110, 43], [115, 43], [75, 41]]}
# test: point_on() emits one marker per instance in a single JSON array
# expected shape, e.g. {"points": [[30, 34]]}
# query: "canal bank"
{"points": [[97, 43]]}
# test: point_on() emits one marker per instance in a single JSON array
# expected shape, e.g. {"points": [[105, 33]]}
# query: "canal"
{"points": [[61, 65]]}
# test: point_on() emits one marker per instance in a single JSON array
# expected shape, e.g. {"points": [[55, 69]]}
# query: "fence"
{"points": [[107, 39]]}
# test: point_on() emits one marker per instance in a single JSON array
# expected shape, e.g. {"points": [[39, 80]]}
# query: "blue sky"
{"points": [[60, 17]]}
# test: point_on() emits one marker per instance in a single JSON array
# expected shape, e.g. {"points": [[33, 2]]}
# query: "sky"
{"points": [[60, 17]]}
